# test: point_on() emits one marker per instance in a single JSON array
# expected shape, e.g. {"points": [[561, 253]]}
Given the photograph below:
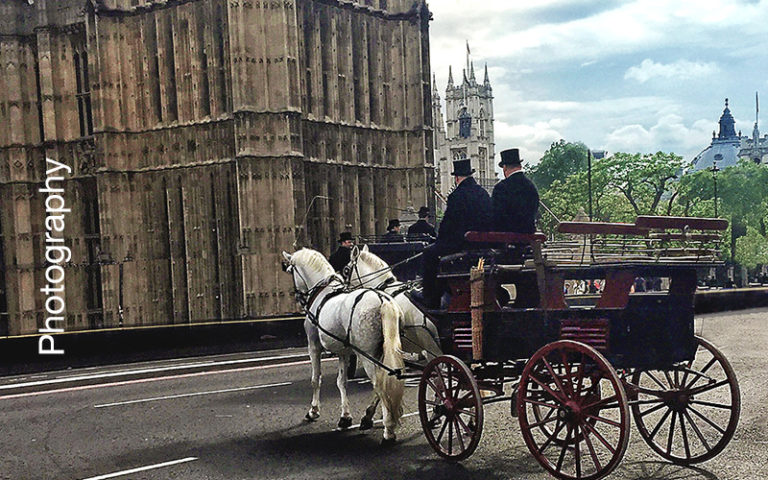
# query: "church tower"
{"points": [[468, 132]]}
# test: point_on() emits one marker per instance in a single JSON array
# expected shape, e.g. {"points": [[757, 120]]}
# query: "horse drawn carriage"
{"points": [[573, 374]]}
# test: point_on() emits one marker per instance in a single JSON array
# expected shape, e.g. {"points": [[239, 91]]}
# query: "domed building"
{"points": [[728, 147]]}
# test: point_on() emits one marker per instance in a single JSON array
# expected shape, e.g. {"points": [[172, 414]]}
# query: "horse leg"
{"points": [[345, 421], [390, 423], [314, 357], [366, 423]]}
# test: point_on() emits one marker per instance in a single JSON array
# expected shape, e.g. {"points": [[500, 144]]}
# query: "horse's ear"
{"points": [[354, 253], [287, 256], [365, 247]]}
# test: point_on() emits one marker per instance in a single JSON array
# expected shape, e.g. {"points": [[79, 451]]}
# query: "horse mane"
{"points": [[314, 260], [377, 263]]}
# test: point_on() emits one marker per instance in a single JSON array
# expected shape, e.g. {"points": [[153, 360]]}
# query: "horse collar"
{"points": [[315, 292]]}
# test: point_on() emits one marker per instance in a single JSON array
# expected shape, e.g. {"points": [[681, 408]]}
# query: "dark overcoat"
{"points": [[340, 258], [469, 209], [515, 204], [422, 226]]}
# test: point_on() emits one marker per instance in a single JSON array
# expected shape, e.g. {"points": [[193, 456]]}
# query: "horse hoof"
{"points": [[366, 423], [311, 416], [345, 423], [388, 442]]}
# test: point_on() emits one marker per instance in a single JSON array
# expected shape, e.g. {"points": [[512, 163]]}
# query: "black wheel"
{"points": [[450, 408], [688, 415]]}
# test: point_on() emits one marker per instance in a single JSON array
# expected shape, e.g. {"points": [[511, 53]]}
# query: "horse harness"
{"points": [[307, 299]]}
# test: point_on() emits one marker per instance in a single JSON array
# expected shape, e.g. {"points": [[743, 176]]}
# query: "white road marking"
{"points": [[195, 394], [375, 421], [142, 469], [156, 379], [145, 370]]}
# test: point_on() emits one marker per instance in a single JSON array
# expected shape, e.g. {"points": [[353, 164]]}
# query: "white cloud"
{"points": [[669, 134], [681, 69], [623, 75]]}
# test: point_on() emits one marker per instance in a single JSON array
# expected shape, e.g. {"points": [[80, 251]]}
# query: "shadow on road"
{"points": [[664, 471]]}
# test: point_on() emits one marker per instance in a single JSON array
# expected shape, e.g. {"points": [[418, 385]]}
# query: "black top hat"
{"points": [[423, 212], [393, 223], [462, 168], [510, 157], [344, 236]]}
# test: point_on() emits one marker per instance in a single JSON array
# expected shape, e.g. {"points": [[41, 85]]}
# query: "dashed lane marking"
{"points": [[141, 371], [142, 469], [154, 379], [194, 394]]}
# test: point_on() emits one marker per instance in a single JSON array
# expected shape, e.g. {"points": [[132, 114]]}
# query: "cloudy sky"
{"points": [[631, 76]]}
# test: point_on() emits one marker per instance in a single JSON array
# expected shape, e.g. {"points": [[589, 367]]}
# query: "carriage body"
{"points": [[577, 369], [401, 255], [633, 330]]}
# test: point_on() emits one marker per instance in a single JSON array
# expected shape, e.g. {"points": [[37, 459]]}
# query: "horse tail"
{"points": [[389, 388]]}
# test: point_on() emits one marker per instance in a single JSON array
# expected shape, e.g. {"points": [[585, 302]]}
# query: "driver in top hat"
{"points": [[469, 209], [515, 199], [341, 256]]}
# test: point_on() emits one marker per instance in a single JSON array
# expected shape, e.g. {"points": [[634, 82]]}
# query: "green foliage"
{"points": [[562, 160], [623, 187], [752, 249], [627, 185]]}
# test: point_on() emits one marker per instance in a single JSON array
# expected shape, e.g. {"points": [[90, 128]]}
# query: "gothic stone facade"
{"points": [[199, 132], [468, 128]]}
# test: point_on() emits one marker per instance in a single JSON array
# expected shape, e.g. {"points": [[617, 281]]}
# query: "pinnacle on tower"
{"points": [[486, 81], [472, 73], [450, 77]]}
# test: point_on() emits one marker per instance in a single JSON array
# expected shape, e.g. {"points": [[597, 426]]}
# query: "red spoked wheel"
{"points": [[688, 414], [450, 408], [573, 411]]}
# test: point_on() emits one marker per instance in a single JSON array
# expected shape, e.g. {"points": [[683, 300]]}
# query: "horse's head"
{"points": [[308, 268], [366, 268]]}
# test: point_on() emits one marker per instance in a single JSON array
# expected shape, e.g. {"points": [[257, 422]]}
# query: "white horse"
{"points": [[419, 334], [367, 269], [367, 319]]}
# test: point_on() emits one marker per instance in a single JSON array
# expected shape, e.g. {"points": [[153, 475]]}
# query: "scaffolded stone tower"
{"points": [[202, 134]]}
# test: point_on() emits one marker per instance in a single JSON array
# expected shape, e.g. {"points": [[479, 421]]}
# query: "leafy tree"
{"points": [[743, 193], [752, 249], [562, 160], [646, 180]]}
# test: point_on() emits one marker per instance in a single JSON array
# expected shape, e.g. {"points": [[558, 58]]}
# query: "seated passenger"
{"points": [[422, 227], [515, 199], [469, 209], [393, 232]]}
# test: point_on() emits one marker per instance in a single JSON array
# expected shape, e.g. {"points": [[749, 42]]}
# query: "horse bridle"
{"points": [[306, 299], [346, 274]]}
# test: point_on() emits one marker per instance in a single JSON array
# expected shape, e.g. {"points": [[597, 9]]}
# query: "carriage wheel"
{"points": [[450, 408], [572, 390], [541, 414], [692, 412]]}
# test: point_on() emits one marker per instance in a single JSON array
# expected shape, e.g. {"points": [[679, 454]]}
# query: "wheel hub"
{"points": [[570, 412]]}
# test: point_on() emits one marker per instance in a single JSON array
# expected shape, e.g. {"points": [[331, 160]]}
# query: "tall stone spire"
{"points": [[472, 73], [450, 77], [486, 81], [435, 93]]}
